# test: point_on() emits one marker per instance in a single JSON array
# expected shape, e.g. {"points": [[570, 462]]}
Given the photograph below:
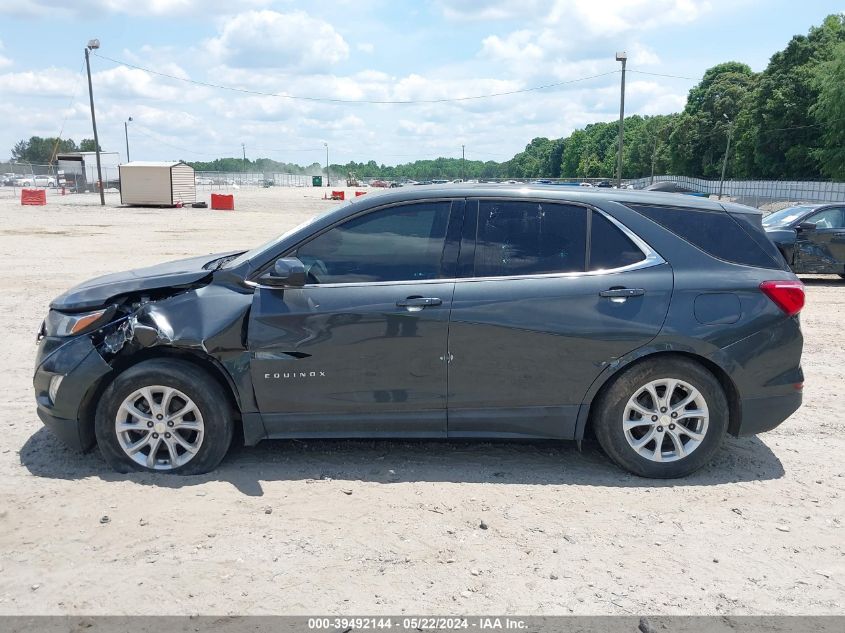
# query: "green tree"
{"points": [[41, 151], [829, 112], [785, 135]]}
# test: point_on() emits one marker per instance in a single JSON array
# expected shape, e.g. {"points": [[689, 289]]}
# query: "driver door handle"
{"points": [[623, 293], [418, 303]]}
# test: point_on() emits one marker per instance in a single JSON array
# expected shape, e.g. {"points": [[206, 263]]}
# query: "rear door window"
{"points": [[610, 248], [527, 238]]}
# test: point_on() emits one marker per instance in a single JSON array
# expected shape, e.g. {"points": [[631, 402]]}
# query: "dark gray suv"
{"points": [[656, 322]]}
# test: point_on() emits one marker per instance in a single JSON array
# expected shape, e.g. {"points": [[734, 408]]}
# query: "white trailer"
{"points": [[153, 184], [78, 170]]}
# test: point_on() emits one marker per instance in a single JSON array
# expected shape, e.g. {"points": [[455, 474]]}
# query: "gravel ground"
{"points": [[393, 527]]}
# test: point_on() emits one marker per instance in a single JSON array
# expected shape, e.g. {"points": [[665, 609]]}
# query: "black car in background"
{"points": [[810, 237], [669, 186], [658, 323]]}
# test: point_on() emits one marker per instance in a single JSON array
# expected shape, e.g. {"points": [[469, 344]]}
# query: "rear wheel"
{"points": [[164, 415], [662, 418]]}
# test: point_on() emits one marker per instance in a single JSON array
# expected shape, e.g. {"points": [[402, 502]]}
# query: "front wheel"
{"points": [[164, 415], [662, 418]]}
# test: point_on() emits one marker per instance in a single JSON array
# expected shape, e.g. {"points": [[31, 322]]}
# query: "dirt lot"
{"points": [[388, 527]]}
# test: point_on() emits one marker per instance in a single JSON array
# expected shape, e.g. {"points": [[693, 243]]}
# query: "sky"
{"points": [[341, 53]]}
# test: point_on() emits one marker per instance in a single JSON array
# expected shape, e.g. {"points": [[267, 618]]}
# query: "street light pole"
{"points": [[463, 163], [92, 45], [328, 175], [621, 57], [727, 150], [126, 133]]}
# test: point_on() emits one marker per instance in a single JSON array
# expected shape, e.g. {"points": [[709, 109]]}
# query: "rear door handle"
{"points": [[414, 304], [622, 293]]}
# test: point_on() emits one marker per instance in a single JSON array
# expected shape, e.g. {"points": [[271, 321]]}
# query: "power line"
{"points": [[353, 101], [642, 72]]}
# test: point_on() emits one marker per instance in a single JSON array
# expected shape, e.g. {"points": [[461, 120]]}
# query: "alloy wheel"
{"points": [[159, 427], [665, 420]]}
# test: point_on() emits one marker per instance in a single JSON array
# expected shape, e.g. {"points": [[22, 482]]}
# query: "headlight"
{"points": [[62, 324]]}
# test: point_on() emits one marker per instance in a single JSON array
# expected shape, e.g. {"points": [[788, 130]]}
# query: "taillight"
{"points": [[788, 295]]}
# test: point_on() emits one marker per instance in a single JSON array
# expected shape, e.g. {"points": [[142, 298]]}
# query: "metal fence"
{"points": [[759, 193], [756, 193]]}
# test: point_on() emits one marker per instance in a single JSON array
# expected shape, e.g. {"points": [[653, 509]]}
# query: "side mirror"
{"points": [[287, 272], [807, 226]]}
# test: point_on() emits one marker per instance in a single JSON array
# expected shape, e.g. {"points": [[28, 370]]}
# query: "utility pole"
{"points": [[93, 45], [621, 57], [126, 133], [654, 150], [463, 163], [727, 150], [328, 175], [243, 169]]}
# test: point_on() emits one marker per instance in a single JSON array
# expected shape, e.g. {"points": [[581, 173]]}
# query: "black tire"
{"points": [[609, 409], [191, 381]]}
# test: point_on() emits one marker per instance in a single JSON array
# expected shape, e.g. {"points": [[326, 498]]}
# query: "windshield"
{"points": [[244, 257], [785, 216]]}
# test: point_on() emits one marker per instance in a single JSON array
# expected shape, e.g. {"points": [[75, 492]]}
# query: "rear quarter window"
{"points": [[714, 232]]}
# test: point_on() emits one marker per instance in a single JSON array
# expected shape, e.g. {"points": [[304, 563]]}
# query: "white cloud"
{"points": [[49, 82], [366, 47], [269, 39], [40, 8], [477, 10]]}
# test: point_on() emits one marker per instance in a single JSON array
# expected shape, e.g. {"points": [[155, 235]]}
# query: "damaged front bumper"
{"points": [[68, 372], [81, 368]]}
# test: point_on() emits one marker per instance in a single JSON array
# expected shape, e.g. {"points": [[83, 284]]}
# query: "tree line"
{"points": [[42, 151], [786, 122]]}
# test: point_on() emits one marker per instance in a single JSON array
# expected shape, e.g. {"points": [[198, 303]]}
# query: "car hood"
{"points": [[780, 234], [97, 292]]}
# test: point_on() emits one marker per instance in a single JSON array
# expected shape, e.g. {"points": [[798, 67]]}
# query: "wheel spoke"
{"points": [[171, 448], [683, 404], [640, 444], [636, 406], [191, 448], [136, 413], [151, 456], [633, 424], [131, 449], [189, 407], [166, 397], [147, 392], [658, 447], [671, 385], [125, 427], [693, 435], [655, 400], [692, 413], [680, 451]]}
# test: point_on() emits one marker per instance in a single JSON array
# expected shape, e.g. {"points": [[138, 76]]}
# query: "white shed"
{"points": [[157, 184]]}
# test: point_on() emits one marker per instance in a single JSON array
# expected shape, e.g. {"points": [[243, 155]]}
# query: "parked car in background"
{"points": [[810, 237], [660, 323], [669, 186], [36, 181], [8, 179]]}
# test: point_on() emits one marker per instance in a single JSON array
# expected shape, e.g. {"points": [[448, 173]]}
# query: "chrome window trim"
{"points": [[652, 258]]}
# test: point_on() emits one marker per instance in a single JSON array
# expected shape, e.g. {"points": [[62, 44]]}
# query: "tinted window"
{"points": [[403, 243], [609, 247], [827, 219], [714, 232], [523, 238]]}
